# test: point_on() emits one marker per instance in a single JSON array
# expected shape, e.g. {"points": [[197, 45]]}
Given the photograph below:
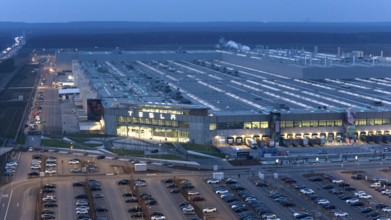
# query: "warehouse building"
{"points": [[262, 97]]}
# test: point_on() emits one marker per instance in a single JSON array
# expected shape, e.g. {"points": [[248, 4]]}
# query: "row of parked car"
{"points": [[49, 201], [246, 205], [10, 167], [143, 200]]}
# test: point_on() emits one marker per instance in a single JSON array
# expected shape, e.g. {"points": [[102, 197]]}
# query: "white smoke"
{"points": [[232, 44], [236, 46]]}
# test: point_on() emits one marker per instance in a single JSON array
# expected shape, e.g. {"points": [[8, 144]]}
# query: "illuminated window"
{"points": [[338, 122], [361, 122], [305, 123], [314, 123], [255, 124], [322, 123], [297, 124], [212, 126], [386, 121], [264, 124], [378, 121], [247, 125]]}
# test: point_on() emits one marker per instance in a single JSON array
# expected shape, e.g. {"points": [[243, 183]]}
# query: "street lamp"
{"points": [[356, 158], [277, 161], [317, 159]]}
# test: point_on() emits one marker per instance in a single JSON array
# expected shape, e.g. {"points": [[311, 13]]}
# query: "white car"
{"points": [[50, 171], [82, 208], [340, 214], [351, 201], [307, 191], [386, 192], [213, 181], [360, 193], [365, 196], [35, 167], [269, 216], [222, 191], [158, 217], [51, 165], [139, 183], [82, 211], [192, 193], [337, 181], [188, 208], [73, 162], [386, 209], [209, 209], [49, 197], [323, 201]]}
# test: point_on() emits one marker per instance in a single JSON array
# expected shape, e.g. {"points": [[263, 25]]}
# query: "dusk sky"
{"points": [[196, 10]]}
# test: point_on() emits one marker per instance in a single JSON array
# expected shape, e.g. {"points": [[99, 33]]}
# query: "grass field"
{"points": [[204, 149], [11, 110]]}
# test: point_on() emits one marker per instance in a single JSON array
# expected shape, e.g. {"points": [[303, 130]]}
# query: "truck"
{"points": [[218, 175], [251, 143], [138, 167]]}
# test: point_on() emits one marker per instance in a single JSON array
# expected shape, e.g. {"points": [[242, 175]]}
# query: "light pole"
{"points": [[356, 158]]}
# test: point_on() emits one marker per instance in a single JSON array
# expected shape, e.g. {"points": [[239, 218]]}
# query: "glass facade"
{"points": [[242, 125], [332, 123], [147, 128]]}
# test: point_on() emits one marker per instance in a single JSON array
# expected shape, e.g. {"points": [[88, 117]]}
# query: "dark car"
{"points": [[135, 209], [171, 186], [81, 196], [36, 156], [47, 211], [34, 173], [137, 215], [46, 190], [151, 202], [128, 194], [349, 188], [100, 157], [49, 186], [380, 206], [366, 210], [197, 199], [167, 181], [50, 204], [154, 151], [328, 206], [328, 186], [78, 184], [131, 199], [261, 184], [101, 209], [94, 189], [358, 177], [123, 182], [359, 203], [315, 178], [176, 190]]}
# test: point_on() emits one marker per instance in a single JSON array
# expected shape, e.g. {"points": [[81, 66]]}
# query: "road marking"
{"points": [[17, 204], [8, 205], [151, 174], [4, 196], [3, 205]]}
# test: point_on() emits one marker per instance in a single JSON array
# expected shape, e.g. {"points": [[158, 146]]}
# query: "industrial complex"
{"points": [[260, 97]]}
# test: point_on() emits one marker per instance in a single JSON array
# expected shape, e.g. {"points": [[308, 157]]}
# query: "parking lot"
{"points": [[86, 187]]}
